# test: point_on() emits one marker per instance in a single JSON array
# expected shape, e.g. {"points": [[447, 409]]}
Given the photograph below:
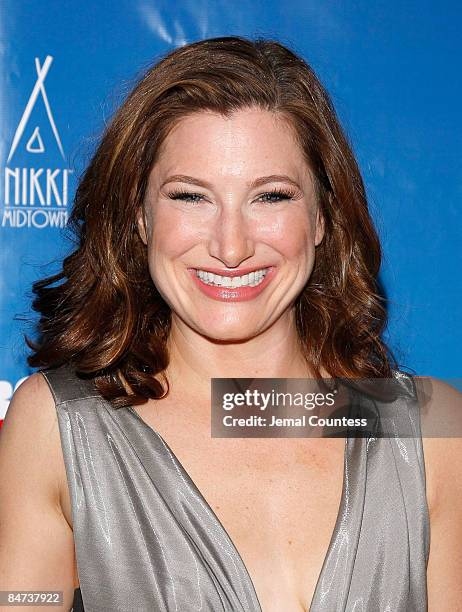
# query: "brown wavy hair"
{"points": [[105, 316]]}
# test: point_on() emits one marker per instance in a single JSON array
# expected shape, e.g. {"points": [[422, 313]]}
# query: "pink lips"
{"points": [[233, 294]]}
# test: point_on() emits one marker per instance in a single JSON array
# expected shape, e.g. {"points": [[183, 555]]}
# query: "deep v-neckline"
{"points": [[341, 513]]}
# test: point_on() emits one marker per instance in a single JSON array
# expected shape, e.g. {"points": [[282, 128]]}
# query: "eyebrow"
{"points": [[262, 180]]}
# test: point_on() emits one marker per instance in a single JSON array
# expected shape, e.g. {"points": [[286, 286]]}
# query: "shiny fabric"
{"points": [[147, 540]]}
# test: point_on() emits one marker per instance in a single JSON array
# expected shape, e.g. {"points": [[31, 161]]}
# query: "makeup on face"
{"points": [[233, 228], [233, 286]]}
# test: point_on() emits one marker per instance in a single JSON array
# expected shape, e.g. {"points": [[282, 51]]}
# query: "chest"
{"points": [[277, 499]]}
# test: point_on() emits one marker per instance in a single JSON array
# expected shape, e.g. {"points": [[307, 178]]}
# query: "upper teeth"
{"points": [[251, 280]]}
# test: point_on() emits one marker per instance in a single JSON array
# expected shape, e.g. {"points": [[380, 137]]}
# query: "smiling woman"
{"points": [[272, 222], [222, 231]]}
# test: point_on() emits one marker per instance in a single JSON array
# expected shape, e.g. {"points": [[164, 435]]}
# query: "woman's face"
{"points": [[210, 211]]}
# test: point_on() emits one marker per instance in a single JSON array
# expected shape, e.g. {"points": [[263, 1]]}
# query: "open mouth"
{"points": [[252, 279], [232, 288]]}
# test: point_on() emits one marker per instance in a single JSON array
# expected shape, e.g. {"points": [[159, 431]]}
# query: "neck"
{"points": [[195, 359]]}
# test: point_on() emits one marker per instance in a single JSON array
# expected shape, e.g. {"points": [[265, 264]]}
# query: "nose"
{"points": [[231, 241]]}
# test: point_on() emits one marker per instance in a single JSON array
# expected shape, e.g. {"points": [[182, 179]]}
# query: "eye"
{"points": [[185, 196], [277, 195], [274, 196]]}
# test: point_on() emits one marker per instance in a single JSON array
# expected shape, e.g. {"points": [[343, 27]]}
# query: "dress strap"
{"points": [[66, 385]]}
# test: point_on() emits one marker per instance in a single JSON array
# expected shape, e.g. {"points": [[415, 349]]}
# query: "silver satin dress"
{"points": [[146, 539]]}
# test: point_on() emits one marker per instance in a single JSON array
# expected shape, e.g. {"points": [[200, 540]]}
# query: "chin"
{"points": [[235, 333]]}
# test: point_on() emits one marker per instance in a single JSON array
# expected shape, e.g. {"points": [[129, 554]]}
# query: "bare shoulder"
{"points": [[30, 435], [32, 402], [441, 410], [37, 547], [441, 415]]}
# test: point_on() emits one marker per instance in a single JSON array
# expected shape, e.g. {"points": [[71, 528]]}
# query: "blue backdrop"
{"points": [[392, 70]]}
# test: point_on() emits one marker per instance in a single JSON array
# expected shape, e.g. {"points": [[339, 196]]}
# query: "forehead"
{"points": [[247, 142]]}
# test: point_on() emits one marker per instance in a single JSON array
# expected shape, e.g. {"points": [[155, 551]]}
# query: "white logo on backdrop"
{"points": [[35, 196], [35, 143], [31, 145]]}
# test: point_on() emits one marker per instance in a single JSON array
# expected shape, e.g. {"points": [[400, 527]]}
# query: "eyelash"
{"points": [[186, 195]]}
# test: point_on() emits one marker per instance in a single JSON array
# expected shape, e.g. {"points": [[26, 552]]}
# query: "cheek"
{"points": [[292, 234], [169, 239], [171, 234]]}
